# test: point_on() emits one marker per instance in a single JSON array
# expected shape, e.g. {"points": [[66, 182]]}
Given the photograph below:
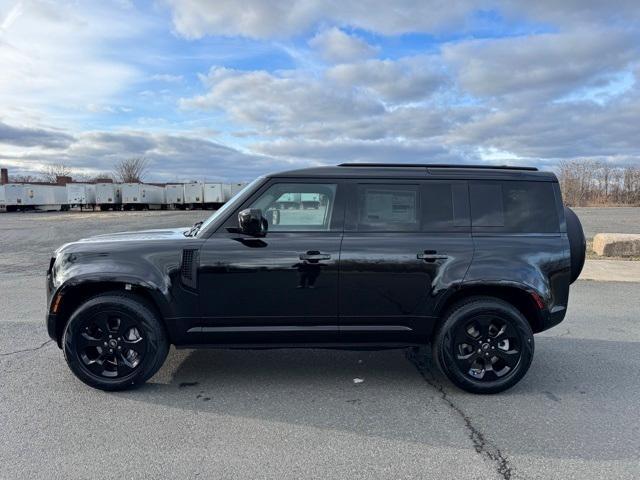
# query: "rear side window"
{"points": [[514, 207], [388, 208]]}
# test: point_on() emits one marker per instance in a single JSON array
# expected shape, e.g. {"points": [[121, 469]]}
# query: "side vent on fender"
{"points": [[189, 268]]}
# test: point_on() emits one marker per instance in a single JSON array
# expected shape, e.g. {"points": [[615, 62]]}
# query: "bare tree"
{"points": [[586, 182], [24, 178], [131, 170], [53, 171]]}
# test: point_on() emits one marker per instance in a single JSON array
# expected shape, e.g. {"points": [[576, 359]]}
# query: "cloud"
{"points": [[285, 18], [167, 77], [546, 65], [338, 47], [347, 150], [55, 57], [279, 102], [558, 130], [396, 81], [33, 137], [171, 157]]}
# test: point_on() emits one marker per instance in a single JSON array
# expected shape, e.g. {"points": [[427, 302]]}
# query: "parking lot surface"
{"points": [[609, 220], [310, 413]]}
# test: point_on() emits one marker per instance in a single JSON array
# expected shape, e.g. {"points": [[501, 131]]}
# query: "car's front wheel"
{"points": [[114, 341], [484, 345]]}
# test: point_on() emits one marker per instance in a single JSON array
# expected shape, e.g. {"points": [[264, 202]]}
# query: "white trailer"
{"points": [[14, 196], [174, 195], [236, 187], [193, 195], [81, 195], [109, 196], [213, 195], [230, 189], [226, 192], [45, 197], [3, 204], [142, 196]]}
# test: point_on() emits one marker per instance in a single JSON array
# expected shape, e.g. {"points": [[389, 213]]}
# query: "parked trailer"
{"points": [[230, 189], [45, 197], [213, 195], [109, 196], [3, 203], [236, 187], [142, 196], [81, 195], [174, 195], [14, 196], [193, 195]]}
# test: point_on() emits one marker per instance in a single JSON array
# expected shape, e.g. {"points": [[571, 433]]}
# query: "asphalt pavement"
{"points": [[311, 413]]}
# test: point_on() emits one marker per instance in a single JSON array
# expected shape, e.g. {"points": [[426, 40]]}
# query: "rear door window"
{"points": [[513, 207], [445, 206], [388, 208]]}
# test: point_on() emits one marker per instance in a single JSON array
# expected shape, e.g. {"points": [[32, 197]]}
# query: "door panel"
{"points": [[383, 283], [280, 288], [405, 244]]}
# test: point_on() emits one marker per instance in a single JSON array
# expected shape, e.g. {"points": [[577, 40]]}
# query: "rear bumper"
{"points": [[553, 317]]}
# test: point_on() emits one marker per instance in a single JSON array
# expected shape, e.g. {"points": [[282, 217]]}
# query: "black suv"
{"points": [[472, 260]]}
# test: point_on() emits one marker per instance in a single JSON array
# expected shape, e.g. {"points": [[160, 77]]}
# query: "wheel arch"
{"points": [[75, 294], [526, 300]]}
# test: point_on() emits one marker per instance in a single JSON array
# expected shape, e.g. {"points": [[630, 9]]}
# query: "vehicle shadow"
{"points": [[386, 394]]}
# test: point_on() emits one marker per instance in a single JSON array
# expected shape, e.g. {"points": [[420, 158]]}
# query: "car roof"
{"points": [[413, 171]]}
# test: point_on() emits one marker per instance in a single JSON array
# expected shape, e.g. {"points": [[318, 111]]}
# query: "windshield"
{"points": [[230, 204]]}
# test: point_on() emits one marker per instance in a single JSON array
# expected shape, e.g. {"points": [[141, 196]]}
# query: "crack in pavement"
{"points": [[34, 349], [481, 445]]}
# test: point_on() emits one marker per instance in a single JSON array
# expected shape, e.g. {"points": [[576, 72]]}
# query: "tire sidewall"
{"points": [[156, 344], [443, 348]]}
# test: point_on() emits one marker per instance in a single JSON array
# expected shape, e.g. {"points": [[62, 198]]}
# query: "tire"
{"points": [[577, 243], [508, 355], [115, 322]]}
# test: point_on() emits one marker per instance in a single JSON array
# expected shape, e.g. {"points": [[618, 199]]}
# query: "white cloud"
{"points": [[54, 58], [547, 65], [171, 157], [336, 46], [279, 103], [285, 18], [396, 81]]}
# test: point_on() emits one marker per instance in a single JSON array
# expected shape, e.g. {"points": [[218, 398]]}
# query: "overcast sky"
{"points": [[231, 89]]}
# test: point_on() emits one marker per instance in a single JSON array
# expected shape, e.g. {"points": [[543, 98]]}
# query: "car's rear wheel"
{"points": [[114, 341], [485, 345]]}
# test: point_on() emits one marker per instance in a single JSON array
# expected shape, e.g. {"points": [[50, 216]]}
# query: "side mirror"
{"points": [[252, 222]]}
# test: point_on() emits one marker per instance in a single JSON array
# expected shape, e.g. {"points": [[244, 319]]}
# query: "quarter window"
{"points": [[514, 207], [297, 206]]}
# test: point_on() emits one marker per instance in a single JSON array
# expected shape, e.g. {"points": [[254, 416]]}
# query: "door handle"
{"points": [[315, 255], [431, 256]]}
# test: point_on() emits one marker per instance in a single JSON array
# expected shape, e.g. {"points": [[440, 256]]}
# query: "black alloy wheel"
{"points": [[115, 341], [484, 345], [111, 344]]}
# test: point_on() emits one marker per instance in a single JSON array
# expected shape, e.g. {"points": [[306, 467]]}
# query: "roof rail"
{"points": [[438, 165]]}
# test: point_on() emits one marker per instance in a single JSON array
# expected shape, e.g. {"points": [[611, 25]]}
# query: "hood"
{"points": [[159, 234], [139, 236]]}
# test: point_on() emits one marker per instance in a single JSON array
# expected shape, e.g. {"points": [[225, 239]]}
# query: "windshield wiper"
{"points": [[193, 230]]}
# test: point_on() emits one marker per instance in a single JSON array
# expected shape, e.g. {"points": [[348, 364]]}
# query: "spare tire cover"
{"points": [[577, 243]]}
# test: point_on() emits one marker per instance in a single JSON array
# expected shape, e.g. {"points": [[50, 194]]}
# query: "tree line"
{"points": [[128, 170], [593, 183]]}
